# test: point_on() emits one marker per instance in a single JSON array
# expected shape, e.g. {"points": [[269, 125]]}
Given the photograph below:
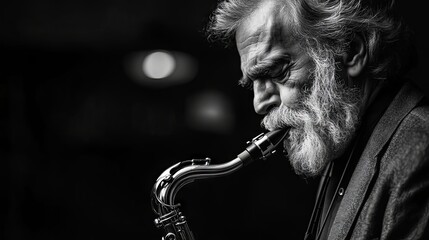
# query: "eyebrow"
{"points": [[263, 67]]}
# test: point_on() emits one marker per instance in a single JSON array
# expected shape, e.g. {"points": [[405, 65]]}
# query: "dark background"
{"points": [[83, 143]]}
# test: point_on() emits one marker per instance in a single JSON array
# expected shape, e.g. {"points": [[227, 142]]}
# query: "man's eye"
{"points": [[277, 72], [281, 74]]}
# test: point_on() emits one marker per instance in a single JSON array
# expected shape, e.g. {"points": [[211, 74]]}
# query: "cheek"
{"points": [[289, 95], [291, 91]]}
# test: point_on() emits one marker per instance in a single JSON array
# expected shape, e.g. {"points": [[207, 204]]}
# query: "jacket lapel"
{"points": [[406, 99]]}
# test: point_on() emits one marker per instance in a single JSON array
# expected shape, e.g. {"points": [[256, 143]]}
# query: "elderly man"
{"points": [[333, 70]]}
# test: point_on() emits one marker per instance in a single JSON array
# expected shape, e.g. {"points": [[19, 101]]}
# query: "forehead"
{"points": [[256, 24], [262, 29]]}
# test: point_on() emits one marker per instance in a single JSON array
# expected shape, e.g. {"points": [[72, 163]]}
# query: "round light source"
{"points": [[158, 65], [160, 68], [210, 111]]}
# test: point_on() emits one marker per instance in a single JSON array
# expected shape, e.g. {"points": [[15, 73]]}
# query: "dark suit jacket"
{"points": [[388, 193]]}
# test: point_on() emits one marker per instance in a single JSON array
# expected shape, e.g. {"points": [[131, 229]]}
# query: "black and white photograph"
{"points": [[214, 120]]}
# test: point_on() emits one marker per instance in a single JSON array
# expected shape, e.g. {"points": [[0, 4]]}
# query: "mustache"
{"points": [[282, 116]]}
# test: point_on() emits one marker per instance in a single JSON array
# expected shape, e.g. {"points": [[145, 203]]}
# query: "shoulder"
{"points": [[408, 149], [414, 128]]}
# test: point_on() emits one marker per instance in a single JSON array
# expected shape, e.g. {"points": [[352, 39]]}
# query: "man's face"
{"points": [[267, 54], [297, 90]]}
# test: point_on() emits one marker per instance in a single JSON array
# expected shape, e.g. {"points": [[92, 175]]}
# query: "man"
{"points": [[333, 72]]}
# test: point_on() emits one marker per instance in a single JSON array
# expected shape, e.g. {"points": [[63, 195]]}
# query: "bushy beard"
{"points": [[322, 125]]}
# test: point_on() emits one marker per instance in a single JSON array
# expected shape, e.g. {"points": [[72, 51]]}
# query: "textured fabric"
{"points": [[343, 167], [388, 194]]}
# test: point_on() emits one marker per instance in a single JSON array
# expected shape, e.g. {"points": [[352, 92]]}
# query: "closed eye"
{"points": [[283, 74], [275, 68]]}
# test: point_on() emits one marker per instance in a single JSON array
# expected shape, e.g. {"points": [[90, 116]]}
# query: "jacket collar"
{"points": [[406, 99]]}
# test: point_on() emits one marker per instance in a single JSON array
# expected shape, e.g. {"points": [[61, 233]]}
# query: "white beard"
{"points": [[322, 126]]}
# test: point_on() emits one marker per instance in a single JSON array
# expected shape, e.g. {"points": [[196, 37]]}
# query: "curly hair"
{"points": [[330, 25]]}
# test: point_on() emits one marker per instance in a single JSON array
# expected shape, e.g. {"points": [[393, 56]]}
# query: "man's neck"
{"points": [[370, 90]]}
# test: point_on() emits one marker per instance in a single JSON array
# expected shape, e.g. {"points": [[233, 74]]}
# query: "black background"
{"points": [[83, 144]]}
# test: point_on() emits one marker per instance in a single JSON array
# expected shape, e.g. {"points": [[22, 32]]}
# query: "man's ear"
{"points": [[356, 57]]}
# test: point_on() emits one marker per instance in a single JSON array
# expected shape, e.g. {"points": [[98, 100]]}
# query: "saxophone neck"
{"points": [[182, 173], [174, 178]]}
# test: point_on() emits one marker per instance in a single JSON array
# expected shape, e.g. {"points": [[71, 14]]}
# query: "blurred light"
{"points": [[158, 65], [160, 68], [210, 111]]}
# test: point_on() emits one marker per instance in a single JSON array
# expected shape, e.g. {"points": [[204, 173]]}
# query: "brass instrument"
{"points": [[170, 219]]}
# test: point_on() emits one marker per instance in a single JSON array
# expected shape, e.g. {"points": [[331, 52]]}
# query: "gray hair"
{"points": [[330, 25]]}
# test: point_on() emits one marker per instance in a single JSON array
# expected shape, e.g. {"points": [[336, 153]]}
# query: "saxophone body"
{"points": [[170, 219]]}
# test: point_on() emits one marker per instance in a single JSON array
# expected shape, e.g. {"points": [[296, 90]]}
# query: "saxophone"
{"points": [[170, 219]]}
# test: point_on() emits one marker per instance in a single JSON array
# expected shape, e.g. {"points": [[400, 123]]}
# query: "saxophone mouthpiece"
{"points": [[263, 145], [277, 136]]}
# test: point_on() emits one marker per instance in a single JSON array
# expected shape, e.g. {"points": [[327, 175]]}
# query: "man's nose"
{"points": [[265, 96]]}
